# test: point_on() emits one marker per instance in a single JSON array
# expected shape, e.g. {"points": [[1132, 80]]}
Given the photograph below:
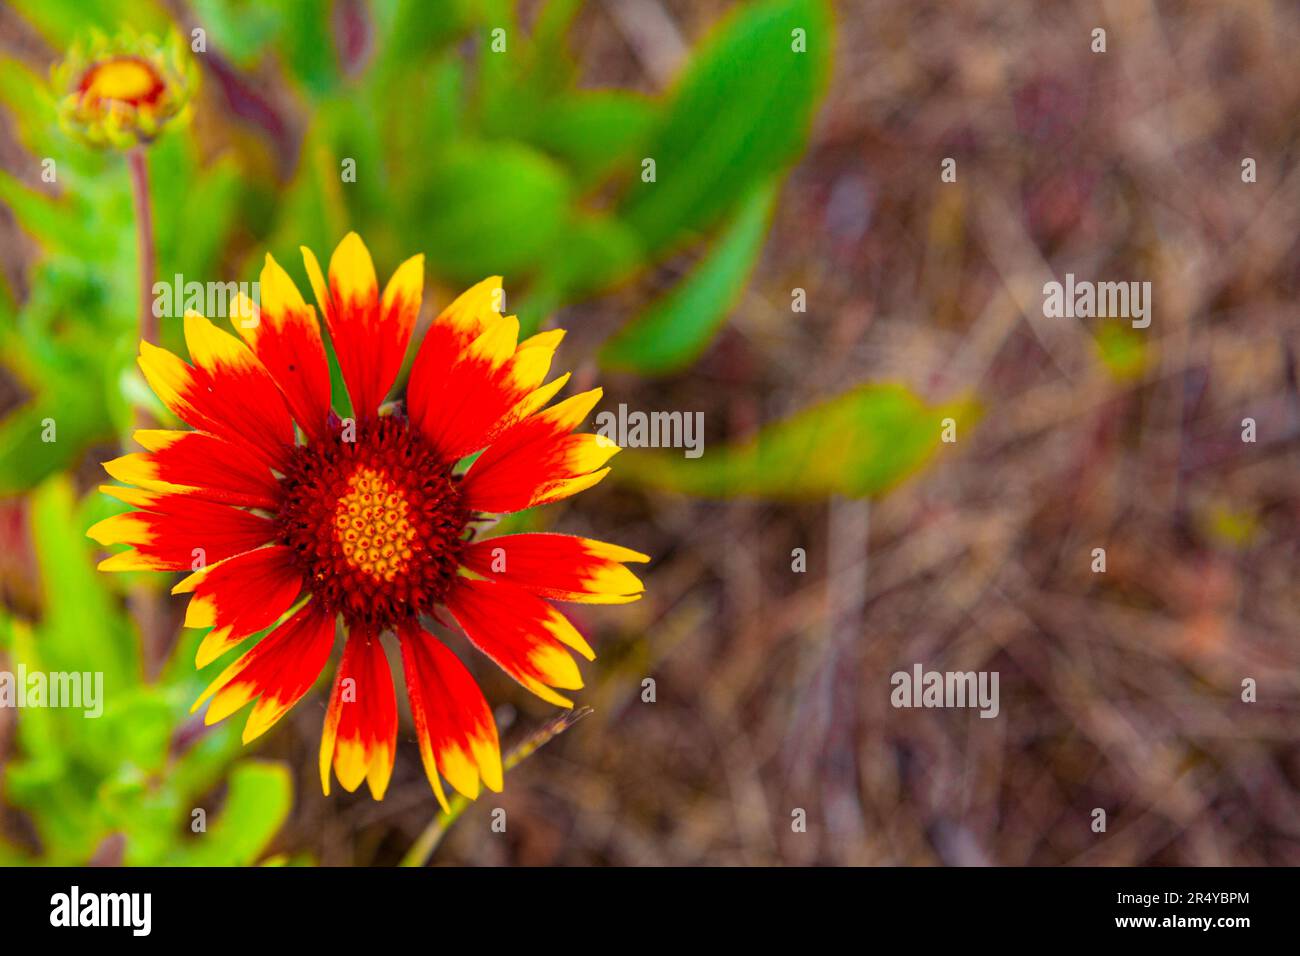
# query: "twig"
{"points": [[422, 849]]}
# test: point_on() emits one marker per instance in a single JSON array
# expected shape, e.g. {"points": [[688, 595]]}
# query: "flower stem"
{"points": [[139, 167], [422, 849], [144, 601]]}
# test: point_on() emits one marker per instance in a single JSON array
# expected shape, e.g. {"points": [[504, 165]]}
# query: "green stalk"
{"points": [[144, 240], [144, 600]]}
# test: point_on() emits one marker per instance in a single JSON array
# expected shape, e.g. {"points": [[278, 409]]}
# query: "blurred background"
{"points": [[798, 272]]}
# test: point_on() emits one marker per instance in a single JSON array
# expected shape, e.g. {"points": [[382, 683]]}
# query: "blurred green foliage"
{"points": [[861, 443], [141, 768], [472, 141], [674, 331], [1122, 350]]}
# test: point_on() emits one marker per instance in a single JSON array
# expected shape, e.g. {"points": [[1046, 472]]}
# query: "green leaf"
{"points": [[135, 728], [242, 30], [143, 809], [258, 801], [551, 65], [410, 140], [1122, 350], [26, 458], [674, 331], [185, 191], [47, 218], [30, 101], [741, 112], [420, 27], [86, 633], [541, 301], [51, 782], [306, 41], [593, 253], [593, 131], [202, 764], [491, 209], [860, 443], [63, 21]]}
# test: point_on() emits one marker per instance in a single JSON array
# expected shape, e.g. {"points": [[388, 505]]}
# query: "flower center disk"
{"points": [[372, 527], [376, 524]]}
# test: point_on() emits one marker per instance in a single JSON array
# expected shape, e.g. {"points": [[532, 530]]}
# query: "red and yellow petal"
{"points": [[445, 343], [524, 635], [286, 338], [227, 392], [537, 461], [370, 333], [203, 465], [174, 532], [560, 567], [470, 381], [484, 391], [360, 734], [239, 596], [473, 312], [458, 737], [449, 409], [276, 673], [475, 309]]}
